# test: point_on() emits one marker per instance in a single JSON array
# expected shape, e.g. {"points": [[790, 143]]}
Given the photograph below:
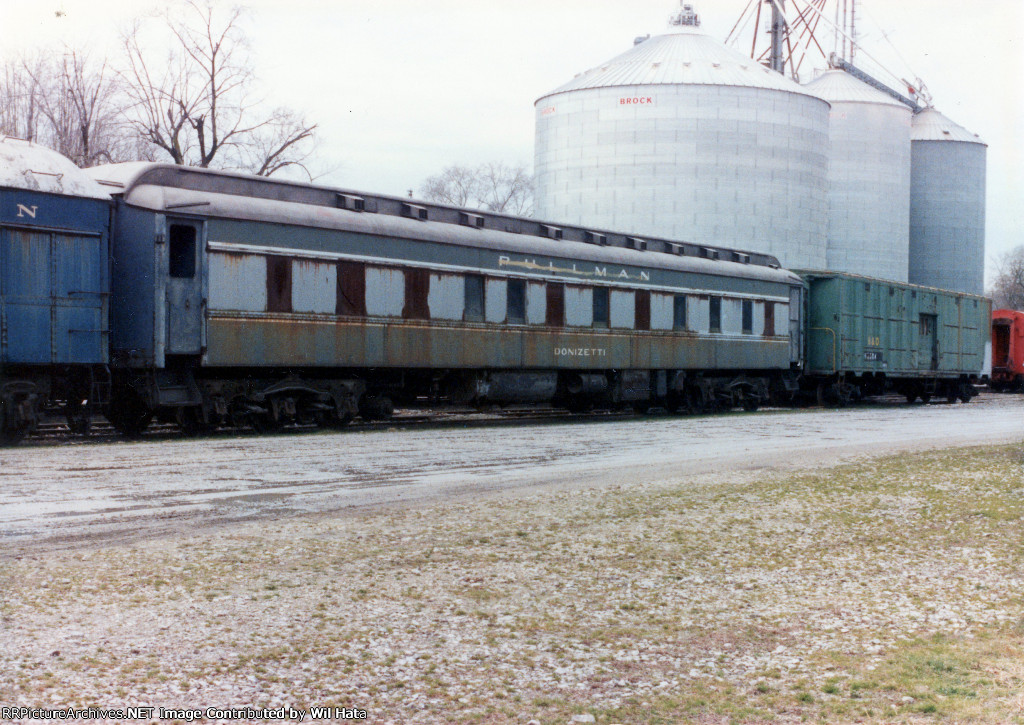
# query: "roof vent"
{"points": [[546, 230], [471, 220], [414, 211], [351, 202]]}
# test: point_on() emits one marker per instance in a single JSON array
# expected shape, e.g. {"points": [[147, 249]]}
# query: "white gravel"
{"points": [[64, 496], [709, 569]]}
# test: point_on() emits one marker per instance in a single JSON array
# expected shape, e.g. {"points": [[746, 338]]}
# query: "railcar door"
{"points": [[25, 305], [796, 325], [928, 343], [185, 301], [79, 299]]}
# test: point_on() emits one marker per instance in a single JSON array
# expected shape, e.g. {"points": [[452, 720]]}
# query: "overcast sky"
{"points": [[402, 88]]}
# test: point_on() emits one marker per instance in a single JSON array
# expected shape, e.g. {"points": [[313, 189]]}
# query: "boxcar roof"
{"points": [[809, 274], [167, 188], [27, 165]]}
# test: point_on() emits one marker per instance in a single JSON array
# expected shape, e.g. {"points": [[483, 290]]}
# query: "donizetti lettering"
{"points": [[581, 351]]}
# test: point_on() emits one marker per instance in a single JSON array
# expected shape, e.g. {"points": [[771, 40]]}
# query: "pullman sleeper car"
{"points": [[867, 336], [54, 282], [1007, 351], [248, 301]]}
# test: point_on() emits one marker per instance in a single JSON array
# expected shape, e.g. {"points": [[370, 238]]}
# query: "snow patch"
{"points": [[26, 165]]}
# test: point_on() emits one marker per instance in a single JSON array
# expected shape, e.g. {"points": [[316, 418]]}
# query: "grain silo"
{"points": [[947, 205], [682, 137], [869, 177]]}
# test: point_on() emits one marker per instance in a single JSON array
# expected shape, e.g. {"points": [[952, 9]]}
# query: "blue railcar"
{"points": [[54, 288], [240, 299]]}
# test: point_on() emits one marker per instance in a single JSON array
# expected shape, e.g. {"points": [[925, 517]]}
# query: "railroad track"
{"points": [[53, 431]]}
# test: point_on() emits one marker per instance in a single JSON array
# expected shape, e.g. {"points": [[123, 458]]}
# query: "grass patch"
{"points": [[884, 591]]}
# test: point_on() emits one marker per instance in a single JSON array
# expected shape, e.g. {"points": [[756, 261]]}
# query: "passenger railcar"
{"points": [[249, 300], [1007, 351], [869, 336], [54, 288]]}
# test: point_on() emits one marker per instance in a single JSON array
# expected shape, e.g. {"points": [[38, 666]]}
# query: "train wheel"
{"points": [[78, 418], [750, 403], [129, 415], [9, 434], [339, 422], [696, 401], [190, 420], [264, 423]]}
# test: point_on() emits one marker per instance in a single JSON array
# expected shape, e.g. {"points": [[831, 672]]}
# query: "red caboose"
{"points": [[1007, 350]]}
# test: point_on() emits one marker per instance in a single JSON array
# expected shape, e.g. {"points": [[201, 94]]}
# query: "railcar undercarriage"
{"points": [[266, 401]]}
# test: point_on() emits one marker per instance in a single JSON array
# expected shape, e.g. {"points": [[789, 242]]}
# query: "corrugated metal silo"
{"points": [[684, 138], [947, 205], [869, 178]]}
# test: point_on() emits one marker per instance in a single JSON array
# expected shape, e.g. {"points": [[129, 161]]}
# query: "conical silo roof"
{"points": [[682, 58], [930, 125], [684, 138], [868, 177], [837, 86]]}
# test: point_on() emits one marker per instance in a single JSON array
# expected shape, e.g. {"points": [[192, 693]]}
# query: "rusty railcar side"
{"points": [[290, 285]]}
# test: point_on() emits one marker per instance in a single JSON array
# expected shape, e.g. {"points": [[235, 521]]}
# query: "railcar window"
{"points": [[279, 284], [600, 307], [351, 289], [769, 319], [679, 312], [515, 301], [555, 313], [474, 298], [642, 318], [417, 287], [747, 307], [182, 250], [716, 314]]}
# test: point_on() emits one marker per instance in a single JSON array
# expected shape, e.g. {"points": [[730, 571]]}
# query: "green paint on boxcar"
{"points": [[862, 325]]}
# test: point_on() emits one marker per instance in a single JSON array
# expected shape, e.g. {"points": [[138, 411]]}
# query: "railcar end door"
{"points": [[185, 301]]}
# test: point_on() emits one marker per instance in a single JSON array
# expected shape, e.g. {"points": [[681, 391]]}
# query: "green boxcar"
{"points": [[869, 336]]}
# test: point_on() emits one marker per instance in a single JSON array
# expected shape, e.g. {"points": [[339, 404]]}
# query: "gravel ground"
{"points": [[63, 497], [887, 590]]}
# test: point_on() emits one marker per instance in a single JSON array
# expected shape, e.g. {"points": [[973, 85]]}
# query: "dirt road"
{"points": [[60, 497]]}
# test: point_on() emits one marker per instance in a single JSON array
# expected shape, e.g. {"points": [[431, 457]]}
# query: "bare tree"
{"points": [[66, 103], [1007, 290], [197, 103], [507, 189], [20, 112], [455, 185], [287, 141], [81, 109], [494, 186]]}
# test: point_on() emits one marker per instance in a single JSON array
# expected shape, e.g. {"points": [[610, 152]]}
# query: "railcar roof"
{"points": [[829, 274], [167, 187], [27, 165]]}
